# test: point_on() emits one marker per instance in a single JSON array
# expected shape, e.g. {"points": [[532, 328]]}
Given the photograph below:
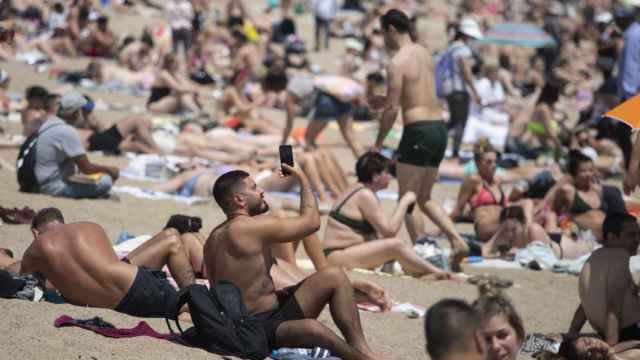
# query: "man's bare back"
{"points": [[241, 259], [418, 99], [604, 280], [99, 278]]}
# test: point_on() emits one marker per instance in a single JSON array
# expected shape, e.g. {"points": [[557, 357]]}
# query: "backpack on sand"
{"points": [[222, 324], [26, 163]]}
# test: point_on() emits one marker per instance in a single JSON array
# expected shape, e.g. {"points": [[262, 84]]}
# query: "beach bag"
{"points": [[444, 70], [26, 163], [222, 324]]}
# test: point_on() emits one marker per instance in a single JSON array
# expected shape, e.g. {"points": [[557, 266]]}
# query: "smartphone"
{"points": [[286, 157]]}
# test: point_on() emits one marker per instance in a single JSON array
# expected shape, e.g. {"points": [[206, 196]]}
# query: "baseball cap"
{"points": [[72, 102], [470, 28]]}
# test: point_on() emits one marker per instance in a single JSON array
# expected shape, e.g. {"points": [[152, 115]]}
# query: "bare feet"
{"points": [[373, 293]]}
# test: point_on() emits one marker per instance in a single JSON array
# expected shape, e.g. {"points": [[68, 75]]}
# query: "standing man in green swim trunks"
{"points": [[411, 87]]}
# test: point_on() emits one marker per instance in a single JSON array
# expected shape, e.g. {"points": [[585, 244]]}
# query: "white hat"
{"points": [[604, 17], [470, 28], [354, 44]]}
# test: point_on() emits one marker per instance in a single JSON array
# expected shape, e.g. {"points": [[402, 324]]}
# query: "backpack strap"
{"points": [[184, 295]]}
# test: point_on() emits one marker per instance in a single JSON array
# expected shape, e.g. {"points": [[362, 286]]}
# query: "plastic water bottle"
{"points": [[289, 353]]}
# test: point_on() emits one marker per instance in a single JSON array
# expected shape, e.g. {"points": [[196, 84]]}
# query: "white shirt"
{"points": [[180, 14], [325, 9]]}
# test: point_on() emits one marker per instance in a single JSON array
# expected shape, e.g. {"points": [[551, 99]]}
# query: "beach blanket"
{"points": [[99, 326], [541, 257], [157, 195]]}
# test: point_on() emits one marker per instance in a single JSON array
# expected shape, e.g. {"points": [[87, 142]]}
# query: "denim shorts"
{"points": [[328, 108], [74, 190]]}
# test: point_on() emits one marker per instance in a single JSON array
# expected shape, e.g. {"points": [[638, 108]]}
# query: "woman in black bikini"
{"points": [[584, 200], [171, 93], [360, 235]]}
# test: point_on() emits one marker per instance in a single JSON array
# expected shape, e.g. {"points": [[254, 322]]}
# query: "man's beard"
{"points": [[261, 208]]}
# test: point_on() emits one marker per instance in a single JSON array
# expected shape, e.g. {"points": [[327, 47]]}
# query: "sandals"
{"points": [[17, 216], [496, 281]]}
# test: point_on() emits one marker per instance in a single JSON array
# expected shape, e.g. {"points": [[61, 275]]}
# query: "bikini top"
{"points": [[579, 206], [360, 226], [485, 197]]}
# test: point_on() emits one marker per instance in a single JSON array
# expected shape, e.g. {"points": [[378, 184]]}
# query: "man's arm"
{"points": [[372, 212], [578, 321], [272, 229], [87, 167], [30, 259], [390, 113]]}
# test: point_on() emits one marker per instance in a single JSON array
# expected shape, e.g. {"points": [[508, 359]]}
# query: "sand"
{"points": [[545, 300]]}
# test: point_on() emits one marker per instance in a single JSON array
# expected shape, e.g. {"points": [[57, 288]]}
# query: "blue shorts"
{"points": [[328, 108]]}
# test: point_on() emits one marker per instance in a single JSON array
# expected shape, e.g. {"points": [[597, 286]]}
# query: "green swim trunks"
{"points": [[423, 143]]}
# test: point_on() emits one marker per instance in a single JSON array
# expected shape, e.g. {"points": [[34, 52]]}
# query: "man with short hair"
{"points": [[59, 150], [34, 114], [608, 296], [452, 331], [79, 260], [410, 75], [239, 251]]}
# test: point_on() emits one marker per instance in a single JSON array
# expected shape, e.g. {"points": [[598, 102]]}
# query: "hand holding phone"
{"points": [[286, 157]]}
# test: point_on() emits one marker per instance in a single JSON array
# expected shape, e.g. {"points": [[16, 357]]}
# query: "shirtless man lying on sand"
{"points": [[608, 296], [79, 261], [239, 251]]}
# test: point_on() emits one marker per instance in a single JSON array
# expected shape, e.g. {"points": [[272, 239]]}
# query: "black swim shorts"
{"points": [[107, 141], [288, 310], [630, 333], [423, 143], [151, 295], [328, 107]]}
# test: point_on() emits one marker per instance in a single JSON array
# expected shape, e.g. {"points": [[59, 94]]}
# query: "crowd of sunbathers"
{"points": [[529, 144]]}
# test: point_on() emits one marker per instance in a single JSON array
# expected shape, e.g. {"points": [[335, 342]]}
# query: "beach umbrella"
{"points": [[628, 112], [519, 34]]}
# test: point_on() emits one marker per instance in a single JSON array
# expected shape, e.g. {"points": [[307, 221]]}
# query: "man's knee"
{"points": [[168, 232], [172, 240], [334, 275], [104, 185], [312, 328]]}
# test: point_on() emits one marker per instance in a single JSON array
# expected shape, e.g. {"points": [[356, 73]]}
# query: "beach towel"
{"points": [[157, 195], [99, 326], [412, 311], [539, 255]]}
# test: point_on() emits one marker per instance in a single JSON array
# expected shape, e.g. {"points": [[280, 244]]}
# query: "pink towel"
{"points": [[104, 328]]}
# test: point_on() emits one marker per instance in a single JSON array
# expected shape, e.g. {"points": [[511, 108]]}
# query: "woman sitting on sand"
{"points": [[515, 233], [170, 92], [483, 194], [239, 111], [501, 324], [582, 199], [360, 235]]}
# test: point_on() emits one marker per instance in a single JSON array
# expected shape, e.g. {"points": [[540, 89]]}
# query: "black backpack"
{"points": [[26, 163], [222, 324]]}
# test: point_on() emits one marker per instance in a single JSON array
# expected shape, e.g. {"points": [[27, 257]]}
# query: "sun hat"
{"points": [[470, 28]]}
